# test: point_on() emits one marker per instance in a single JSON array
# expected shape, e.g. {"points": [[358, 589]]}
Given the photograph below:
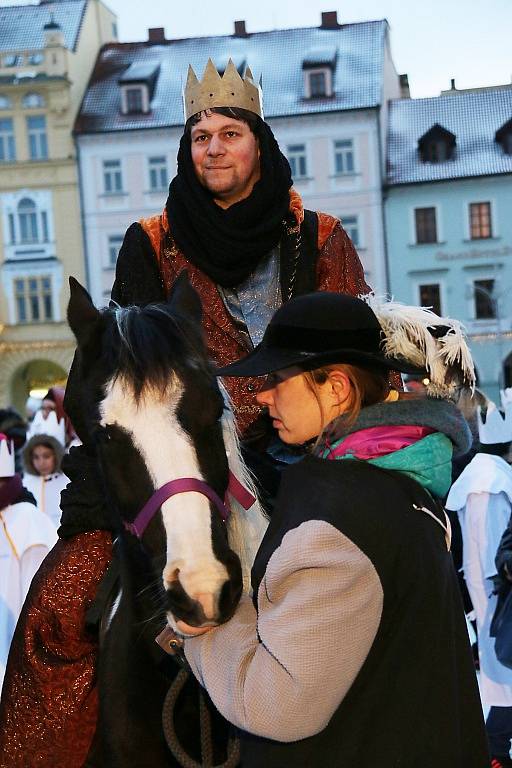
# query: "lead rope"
{"points": [[205, 725]]}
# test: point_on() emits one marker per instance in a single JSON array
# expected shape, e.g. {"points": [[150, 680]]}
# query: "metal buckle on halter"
{"points": [[173, 645]]}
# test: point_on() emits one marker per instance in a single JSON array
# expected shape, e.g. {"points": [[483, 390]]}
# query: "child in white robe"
{"points": [[26, 537], [42, 457]]}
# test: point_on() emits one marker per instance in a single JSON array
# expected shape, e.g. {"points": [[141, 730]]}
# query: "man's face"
{"points": [[225, 155]]}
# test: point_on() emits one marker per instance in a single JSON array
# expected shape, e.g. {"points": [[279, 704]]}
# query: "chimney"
{"points": [[452, 84], [330, 20], [405, 93], [156, 35], [240, 30]]}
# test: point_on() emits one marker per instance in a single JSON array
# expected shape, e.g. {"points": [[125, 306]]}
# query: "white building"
{"points": [[325, 94]]}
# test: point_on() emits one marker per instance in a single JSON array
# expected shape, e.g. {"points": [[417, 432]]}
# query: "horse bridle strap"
{"points": [[186, 485]]}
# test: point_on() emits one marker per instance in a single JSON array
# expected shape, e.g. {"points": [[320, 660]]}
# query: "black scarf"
{"points": [[83, 503], [227, 244]]}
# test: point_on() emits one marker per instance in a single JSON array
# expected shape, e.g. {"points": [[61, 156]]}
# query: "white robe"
{"points": [[482, 496], [46, 491], [26, 537]]}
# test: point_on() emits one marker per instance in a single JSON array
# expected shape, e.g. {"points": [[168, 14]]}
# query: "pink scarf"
{"points": [[378, 441]]}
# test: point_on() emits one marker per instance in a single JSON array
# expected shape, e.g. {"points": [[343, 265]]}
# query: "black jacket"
{"points": [[415, 701]]}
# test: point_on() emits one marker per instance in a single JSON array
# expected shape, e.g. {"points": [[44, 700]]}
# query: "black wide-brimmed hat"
{"points": [[318, 329]]}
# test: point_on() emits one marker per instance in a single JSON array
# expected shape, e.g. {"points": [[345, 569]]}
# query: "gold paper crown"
{"points": [[228, 90]]}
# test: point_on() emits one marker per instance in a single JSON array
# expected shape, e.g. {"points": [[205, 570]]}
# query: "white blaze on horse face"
{"points": [[168, 453]]}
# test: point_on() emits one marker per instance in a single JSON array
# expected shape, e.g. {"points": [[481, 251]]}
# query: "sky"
{"points": [[433, 41]]}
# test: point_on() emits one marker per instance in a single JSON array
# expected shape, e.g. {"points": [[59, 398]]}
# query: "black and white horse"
{"points": [[150, 403]]}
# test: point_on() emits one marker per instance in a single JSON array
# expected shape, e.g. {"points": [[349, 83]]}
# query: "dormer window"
{"points": [[36, 58], [136, 98], [319, 65], [319, 83], [504, 137], [436, 145], [137, 88]]}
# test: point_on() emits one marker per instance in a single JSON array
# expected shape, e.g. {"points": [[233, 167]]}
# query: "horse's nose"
{"points": [[203, 608], [208, 604], [196, 609]]}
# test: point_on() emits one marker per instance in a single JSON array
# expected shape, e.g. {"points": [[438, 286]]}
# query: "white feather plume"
{"points": [[422, 338]]}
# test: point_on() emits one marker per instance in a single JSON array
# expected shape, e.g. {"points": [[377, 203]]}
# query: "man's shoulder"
{"points": [[326, 226], [155, 227]]}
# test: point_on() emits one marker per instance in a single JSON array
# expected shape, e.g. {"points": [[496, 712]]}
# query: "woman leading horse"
{"points": [[354, 649]]}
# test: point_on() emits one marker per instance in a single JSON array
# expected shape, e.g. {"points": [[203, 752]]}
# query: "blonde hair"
{"points": [[366, 387]]}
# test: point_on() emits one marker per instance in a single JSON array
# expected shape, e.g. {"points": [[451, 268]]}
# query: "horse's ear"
{"points": [[82, 314], [184, 299]]}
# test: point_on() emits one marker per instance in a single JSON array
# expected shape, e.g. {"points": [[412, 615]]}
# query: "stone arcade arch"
{"points": [[23, 369]]}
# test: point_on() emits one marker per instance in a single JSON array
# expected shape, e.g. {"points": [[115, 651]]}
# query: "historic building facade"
{"points": [[47, 52], [325, 94], [448, 220]]}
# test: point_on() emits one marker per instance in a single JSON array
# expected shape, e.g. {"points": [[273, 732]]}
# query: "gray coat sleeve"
{"points": [[282, 672]]}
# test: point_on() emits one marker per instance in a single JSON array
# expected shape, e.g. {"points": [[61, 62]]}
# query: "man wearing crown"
{"points": [[234, 222]]}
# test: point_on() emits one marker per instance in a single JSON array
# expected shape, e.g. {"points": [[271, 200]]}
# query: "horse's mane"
{"points": [[245, 527], [154, 345]]}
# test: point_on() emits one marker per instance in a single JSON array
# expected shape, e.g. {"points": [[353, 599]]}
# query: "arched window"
{"points": [[5, 102], [27, 219], [31, 100]]}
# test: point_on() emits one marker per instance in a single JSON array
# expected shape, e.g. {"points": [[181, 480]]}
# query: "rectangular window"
{"points": [[480, 226], [430, 296], [13, 60], [426, 225], [112, 178], [485, 303], [157, 173], [46, 294], [317, 84], [134, 101], [33, 298], [114, 244], [37, 139], [296, 154], [7, 145], [344, 156], [351, 226]]}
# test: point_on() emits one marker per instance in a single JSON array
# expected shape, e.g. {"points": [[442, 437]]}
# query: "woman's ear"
{"points": [[340, 386]]}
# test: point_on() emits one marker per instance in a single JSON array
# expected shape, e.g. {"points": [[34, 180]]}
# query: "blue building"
{"points": [[448, 214]]}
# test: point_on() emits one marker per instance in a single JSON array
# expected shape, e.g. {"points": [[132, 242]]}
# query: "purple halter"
{"points": [[184, 485]]}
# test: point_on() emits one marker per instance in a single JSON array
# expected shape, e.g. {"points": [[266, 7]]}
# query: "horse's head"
{"points": [[150, 401]]}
